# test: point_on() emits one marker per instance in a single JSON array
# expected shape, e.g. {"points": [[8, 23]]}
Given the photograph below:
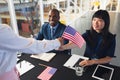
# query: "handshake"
{"points": [[61, 40], [69, 45], [61, 48]]}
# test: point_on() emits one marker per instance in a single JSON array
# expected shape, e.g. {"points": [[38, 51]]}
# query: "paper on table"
{"points": [[73, 60], [24, 66], [47, 73], [44, 56]]}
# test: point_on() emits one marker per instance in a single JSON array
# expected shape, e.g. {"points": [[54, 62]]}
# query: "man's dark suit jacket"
{"points": [[45, 33]]}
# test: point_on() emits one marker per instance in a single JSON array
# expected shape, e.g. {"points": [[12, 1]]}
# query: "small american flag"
{"points": [[74, 36], [47, 73]]}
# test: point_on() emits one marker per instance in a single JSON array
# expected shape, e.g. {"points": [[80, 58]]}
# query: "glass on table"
{"points": [[79, 70]]}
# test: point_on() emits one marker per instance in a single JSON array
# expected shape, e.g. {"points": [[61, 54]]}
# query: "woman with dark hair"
{"points": [[100, 43]]}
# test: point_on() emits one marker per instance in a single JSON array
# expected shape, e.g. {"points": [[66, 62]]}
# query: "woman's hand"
{"points": [[104, 60], [87, 63]]}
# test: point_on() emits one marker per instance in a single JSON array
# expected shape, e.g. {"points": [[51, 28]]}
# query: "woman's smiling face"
{"points": [[98, 24]]}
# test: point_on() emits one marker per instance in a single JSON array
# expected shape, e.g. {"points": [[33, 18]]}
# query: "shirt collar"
{"points": [[55, 27]]}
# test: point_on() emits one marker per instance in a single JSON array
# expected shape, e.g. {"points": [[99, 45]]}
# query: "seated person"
{"points": [[53, 29], [100, 43]]}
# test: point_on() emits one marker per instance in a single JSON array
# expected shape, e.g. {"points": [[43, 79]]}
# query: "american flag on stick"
{"points": [[74, 36]]}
